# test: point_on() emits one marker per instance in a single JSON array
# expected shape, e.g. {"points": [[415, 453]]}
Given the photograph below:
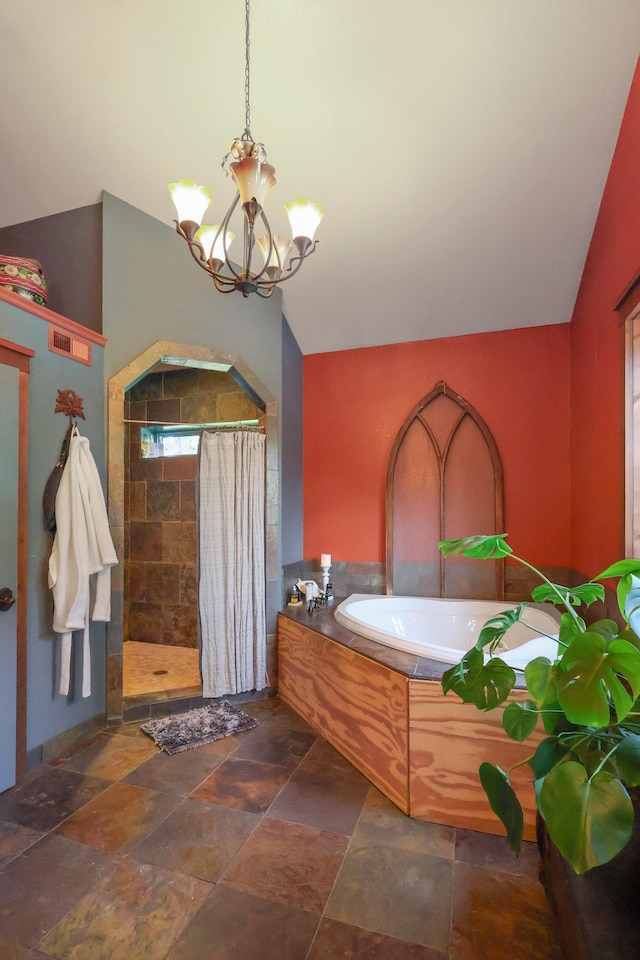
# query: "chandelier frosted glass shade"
{"points": [[305, 217], [191, 201], [274, 253], [212, 241], [281, 257], [253, 179]]}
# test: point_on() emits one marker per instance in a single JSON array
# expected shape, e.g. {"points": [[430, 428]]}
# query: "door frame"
{"points": [[18, 356], [195, 356]]}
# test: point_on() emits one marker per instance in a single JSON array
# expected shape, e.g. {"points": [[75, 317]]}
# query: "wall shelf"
{"points": [[51, 317]]}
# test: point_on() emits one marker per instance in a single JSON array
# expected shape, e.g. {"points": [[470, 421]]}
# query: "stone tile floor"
{"points": [[263, 846]]}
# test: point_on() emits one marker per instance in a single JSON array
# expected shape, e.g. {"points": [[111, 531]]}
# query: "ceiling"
{"points": [[459, 147]]}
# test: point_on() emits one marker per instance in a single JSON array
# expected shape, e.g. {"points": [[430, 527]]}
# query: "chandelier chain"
{"points": [[246, 162], [247, 74]]}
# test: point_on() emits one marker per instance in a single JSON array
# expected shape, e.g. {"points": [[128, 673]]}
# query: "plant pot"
{"points": [[597, 913]]}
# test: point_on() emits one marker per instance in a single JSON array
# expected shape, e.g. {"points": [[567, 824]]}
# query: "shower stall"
{"points": [[164, 414]]}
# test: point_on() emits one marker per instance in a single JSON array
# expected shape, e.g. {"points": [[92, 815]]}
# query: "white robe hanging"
{"points": [[81, 557]]}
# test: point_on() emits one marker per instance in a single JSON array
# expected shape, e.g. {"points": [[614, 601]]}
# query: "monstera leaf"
{"points": [[495, 628], [480, 548], [593, 672], [520, 719], [549, 752], [486, 685], [542, 681], [627, 571], [627, 758], [571, 625], [504, 802], [555, 593], [590, 819]]}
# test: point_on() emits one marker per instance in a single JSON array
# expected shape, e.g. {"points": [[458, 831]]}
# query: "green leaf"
{"points": [[486, 685], [624, 585], [631, 637], [541, 680], [627, 758], [593, 672], [520, 719], [584, 593], [570, 627], [608, 629], [550, 752], [479, 547], [456, 677], [504, 802], [491, 684], [631, 610], [620, 569], [589, 820], [555, 720], [495, 628]]}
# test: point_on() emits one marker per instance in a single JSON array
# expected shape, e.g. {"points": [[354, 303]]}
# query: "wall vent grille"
{"points": [[69, 345]]}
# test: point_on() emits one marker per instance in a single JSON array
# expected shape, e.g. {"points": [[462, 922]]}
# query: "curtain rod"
{"points": [[195, 426]]}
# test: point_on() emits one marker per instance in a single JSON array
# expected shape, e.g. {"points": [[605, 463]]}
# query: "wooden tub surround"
{"points": [[386, 713]]}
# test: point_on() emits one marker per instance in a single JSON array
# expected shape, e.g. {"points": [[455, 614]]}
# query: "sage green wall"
{"points": [[48, 713], [152, 290], [68, 245]]}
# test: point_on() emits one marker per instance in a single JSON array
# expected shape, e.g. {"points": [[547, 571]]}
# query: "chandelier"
{"points": [[281, 257]]}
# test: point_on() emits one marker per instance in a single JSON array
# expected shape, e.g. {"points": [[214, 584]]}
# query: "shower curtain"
{"points": [[231, 545]]}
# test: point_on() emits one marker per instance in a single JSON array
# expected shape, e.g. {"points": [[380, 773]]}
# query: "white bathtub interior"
{"points": [[443, 629]]}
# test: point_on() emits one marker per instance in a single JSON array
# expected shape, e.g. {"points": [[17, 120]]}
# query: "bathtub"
{"points": [[443, 629]]}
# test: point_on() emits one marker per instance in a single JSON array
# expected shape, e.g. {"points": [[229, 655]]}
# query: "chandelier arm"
{"points": [[195, 245], [224, 230], [223, 284], [291, 272], [258, 276]]}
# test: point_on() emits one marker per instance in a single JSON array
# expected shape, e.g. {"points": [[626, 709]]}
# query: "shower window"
{"points": [[164, 442], [179, 440]]}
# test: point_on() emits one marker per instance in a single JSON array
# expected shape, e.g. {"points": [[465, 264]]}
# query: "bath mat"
{"points": [[184, 731]]}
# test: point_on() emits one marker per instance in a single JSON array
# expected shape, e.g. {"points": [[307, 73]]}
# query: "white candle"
{"points": [[325, 559]]}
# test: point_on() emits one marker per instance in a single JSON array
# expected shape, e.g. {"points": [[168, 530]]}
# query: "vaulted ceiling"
{"points": [[459, 147]]}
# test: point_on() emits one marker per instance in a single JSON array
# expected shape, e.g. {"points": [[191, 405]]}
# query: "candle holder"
{"points": [[326, 586]]}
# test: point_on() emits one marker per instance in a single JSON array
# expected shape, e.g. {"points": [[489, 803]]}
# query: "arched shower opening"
{"points": [[154, 598]]}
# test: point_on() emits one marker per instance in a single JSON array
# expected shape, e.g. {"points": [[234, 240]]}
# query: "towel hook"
{"points": [[69, 403]]}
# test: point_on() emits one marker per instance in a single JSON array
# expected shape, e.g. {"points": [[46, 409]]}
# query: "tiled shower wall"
{"points": [[160, 517]]}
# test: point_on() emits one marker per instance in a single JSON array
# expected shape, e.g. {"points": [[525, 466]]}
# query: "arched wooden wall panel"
{"points": [[444, 480]]}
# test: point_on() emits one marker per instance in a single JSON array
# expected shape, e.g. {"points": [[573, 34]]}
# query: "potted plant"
{"points": [[586, 700]]}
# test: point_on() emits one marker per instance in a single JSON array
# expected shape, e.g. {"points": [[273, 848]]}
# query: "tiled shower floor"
{"points": [[263, 846], [158, 668]]}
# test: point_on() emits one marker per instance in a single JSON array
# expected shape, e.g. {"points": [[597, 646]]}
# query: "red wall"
{"points": [[597, 368], [552, 396], [355, 401]]}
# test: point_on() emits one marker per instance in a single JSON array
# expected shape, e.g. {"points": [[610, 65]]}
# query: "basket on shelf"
{"points": [[24, 277]]}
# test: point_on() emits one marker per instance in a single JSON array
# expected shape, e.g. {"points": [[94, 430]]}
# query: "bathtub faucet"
{"points": [[314, 596]]}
